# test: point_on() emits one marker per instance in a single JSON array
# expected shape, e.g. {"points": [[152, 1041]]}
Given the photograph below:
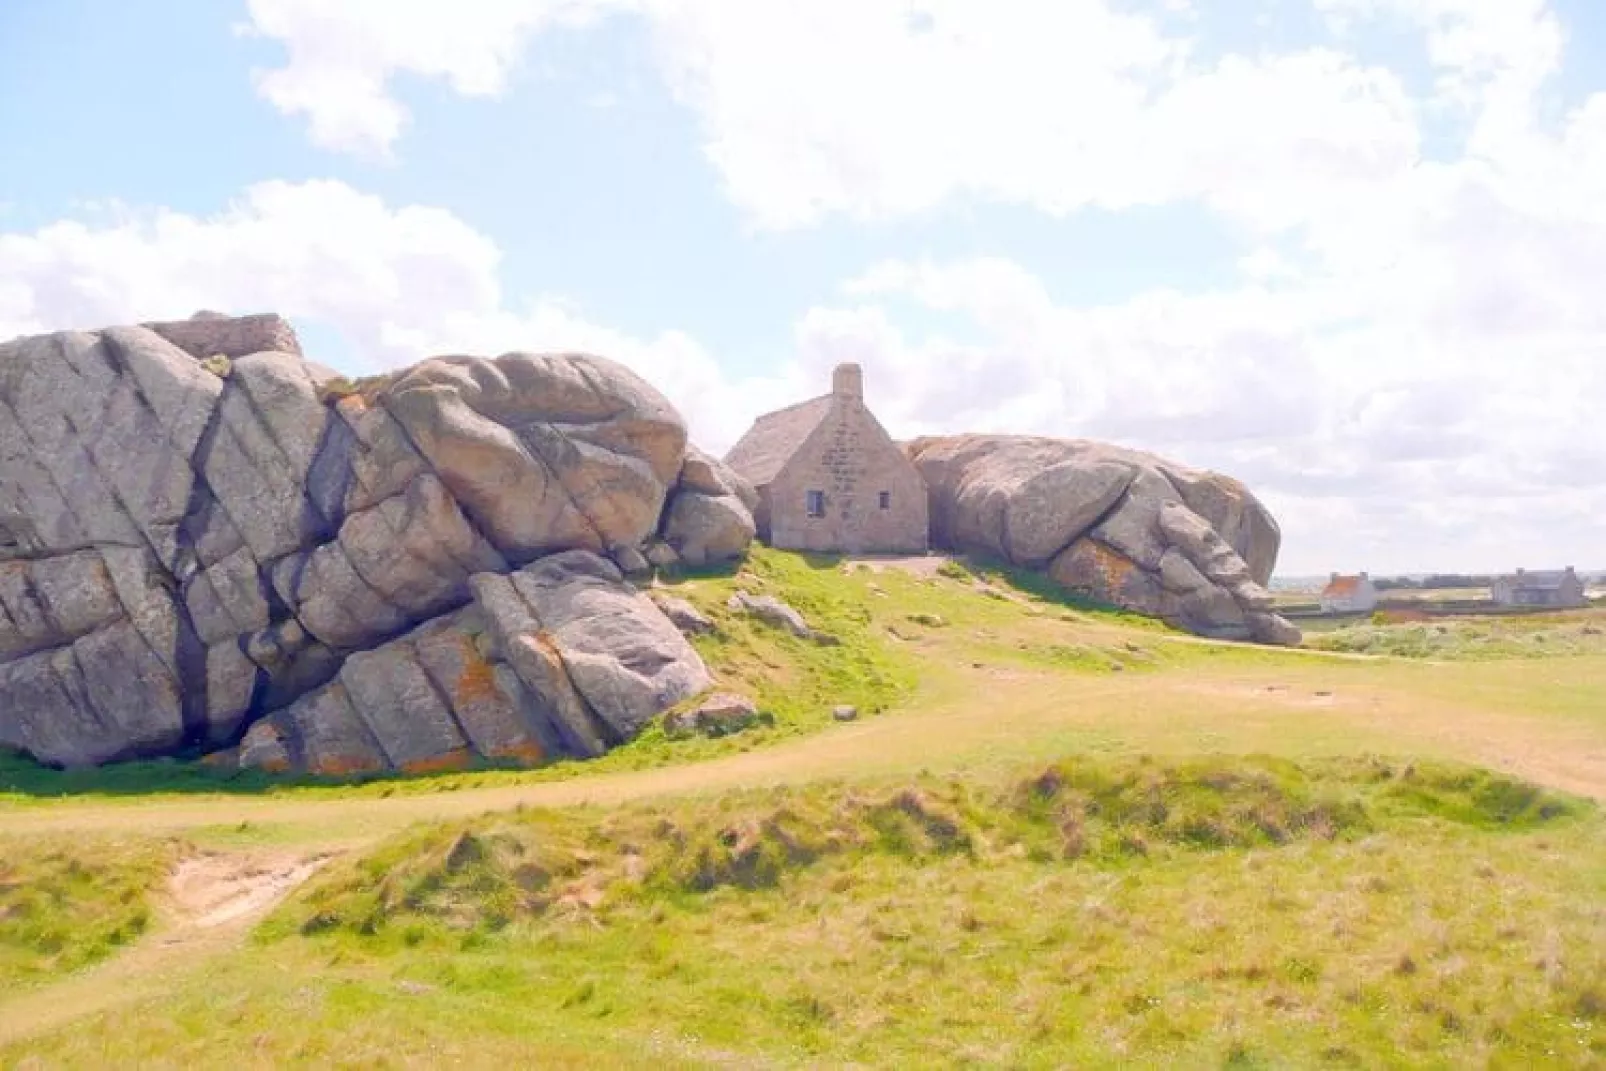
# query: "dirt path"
{"points": [[211, 903], [1023, 715]]}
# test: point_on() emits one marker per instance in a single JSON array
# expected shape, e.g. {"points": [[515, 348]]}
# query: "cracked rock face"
{"points": [[1194, 548], [203, 533]]}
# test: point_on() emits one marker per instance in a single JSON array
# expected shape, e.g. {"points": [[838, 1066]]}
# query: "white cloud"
{"points": [[1408, 366], [1441, 412], [883, 108], [398, 284], [1444, 416], [342, 57]]}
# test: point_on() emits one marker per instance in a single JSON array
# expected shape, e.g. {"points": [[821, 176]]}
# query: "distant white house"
{"points": [[1349, 595], [1560, 588]]}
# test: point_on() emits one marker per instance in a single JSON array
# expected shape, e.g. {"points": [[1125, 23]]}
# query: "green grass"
{"points": [[68, 903], [1251, 911], [874, 617], [983, 870], [795, 681], [799, 681], [490, 874], [1510, 637]]}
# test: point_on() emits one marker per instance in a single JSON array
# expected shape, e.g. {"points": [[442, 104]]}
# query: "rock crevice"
{"points": [[205, 538]]}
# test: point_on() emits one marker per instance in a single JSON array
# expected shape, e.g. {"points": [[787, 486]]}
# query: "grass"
{"points": [[1511, 637], [874, 617], [490, 874], [66, 903], [1243, 911], [1055, 837]]}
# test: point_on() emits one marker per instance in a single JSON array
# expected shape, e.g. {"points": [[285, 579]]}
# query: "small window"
{"points": [[816, 503], [886, 499]]}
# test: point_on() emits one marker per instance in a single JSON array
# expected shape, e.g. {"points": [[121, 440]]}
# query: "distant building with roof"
{"points": [[1349, 595], [829, 477], [1559, 588]]}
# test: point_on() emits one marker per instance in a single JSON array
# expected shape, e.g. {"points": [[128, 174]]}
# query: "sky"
{"points": [[1352, 252]]}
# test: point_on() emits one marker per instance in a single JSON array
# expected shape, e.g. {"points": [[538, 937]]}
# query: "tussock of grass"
{"points": [[488, 874], [66, 904], [1477, 797], [1247, 911]]}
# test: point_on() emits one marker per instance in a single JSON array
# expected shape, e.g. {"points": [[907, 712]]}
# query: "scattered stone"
{"points": [[721, 714], [771, 611], [929, 620], [683, 615], [845, 713], [662, 555], [263, 749]]}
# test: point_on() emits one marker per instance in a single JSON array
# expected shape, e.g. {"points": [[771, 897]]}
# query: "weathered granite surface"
{"points": [[1128, 528], [202, 533]]}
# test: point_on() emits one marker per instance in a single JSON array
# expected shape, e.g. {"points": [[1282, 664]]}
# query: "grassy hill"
{"points": [[1056, 835]]}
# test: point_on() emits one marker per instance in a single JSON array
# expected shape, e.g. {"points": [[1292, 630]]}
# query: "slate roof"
{"points": [[1538, 579], [774, 437]]}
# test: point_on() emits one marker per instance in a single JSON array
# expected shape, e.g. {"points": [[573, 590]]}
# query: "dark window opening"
{"points": [[886, 499], [816, 503]]}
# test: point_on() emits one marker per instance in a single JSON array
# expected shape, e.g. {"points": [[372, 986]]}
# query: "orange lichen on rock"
{"points": [[460, 759], [336, 765], [476, 683], [1115, 568], [525, 753]]}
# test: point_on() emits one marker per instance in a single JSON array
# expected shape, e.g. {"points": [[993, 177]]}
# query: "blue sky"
{"points": [[1340, 248]]}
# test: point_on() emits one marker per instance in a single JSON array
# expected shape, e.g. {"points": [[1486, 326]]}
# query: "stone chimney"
{"points": [[848, 382]]}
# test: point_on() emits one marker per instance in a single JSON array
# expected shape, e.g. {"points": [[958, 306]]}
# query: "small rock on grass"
{"points": [[683, 615], [721, 714], [845, 712]]}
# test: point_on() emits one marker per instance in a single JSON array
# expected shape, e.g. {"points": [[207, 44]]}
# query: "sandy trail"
{"points": [[1244, 709], [212, 901]]}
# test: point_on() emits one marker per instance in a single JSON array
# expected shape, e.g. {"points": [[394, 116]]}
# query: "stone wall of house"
{"points": [[852, 461]]}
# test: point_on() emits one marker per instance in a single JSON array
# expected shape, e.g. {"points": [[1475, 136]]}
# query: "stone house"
{"points": [[829, 477], [1561, 588], [1349, 595]]}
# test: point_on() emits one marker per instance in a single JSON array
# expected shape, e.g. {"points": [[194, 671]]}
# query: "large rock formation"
{"points": [[200, 529], [710, 517], [1192, 547]]}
